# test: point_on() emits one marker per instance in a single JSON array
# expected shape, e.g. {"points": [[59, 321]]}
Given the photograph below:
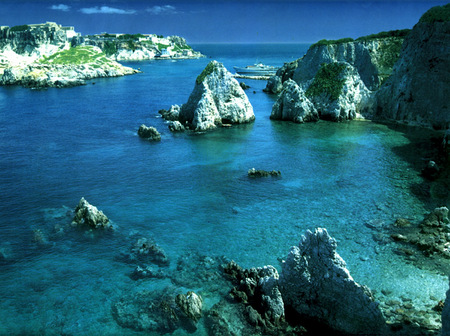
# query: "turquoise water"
{"points": [[190, 193]]}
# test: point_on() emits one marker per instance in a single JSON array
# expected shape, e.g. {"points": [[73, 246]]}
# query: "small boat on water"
{"points": [[257, 70]]}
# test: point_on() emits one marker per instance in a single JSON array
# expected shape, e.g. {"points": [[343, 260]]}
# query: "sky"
{"points": [[223, 21]]}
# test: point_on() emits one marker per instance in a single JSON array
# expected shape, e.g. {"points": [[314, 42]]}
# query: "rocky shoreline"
{"points": [[312, 293], [28, 54]]}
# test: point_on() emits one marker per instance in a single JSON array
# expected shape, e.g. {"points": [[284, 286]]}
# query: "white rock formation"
{"points": [[446, 316], [217, 98], [89, 216], [354, 97], [271, 299], [292, 104], [316, 283]]}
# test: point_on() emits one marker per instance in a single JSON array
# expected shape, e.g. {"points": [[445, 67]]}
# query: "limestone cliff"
{"points": [[30, 39], [372, 56], [337, 77], [64, 68], [217, 99], [419, 89]]}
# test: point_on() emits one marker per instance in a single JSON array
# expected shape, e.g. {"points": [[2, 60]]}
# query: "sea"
{"points": [[189, 194]]}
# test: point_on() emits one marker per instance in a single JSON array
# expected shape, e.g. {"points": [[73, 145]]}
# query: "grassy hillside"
{"points": [[77, 56]]}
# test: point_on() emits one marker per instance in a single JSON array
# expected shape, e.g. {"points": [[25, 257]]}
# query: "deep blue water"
{"points": [[190, 193]]}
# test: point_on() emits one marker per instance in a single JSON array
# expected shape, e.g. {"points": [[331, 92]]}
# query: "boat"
{"points": [[256, 70]]}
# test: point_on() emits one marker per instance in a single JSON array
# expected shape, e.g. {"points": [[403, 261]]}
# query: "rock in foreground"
{"points": [[89, 216], [316, 284], [217, 99]]}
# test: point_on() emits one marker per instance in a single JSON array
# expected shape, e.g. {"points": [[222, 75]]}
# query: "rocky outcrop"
{"points": [[292, 104], [446, 316], [418, 91], [335, 79], [190, 304], [145, 251], [338, 93], [88, 216], [159, 312], [275, 83], [316, 283], [257, 289], [217, 98], [33, 40], [172, 114], [252, 172], [64, 69], [149, 133]]}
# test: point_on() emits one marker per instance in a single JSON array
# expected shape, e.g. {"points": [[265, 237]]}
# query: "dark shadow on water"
{"points": [[425, 145]]}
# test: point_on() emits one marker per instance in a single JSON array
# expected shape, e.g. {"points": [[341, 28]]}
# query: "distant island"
{"points": [[50, 55]]}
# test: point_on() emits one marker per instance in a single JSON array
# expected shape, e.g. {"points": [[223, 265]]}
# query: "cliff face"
{"points": [[372, 57], [338, 77], [24, 40], [419, 89]]}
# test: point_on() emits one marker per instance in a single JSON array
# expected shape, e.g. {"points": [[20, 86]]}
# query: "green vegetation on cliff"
{"points": [[385, 34], [19, 28], [77, 56], [207, 71], [437, 14], [327, 80]]}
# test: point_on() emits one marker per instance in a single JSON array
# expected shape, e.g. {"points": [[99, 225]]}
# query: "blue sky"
{"points": [[202, 21]]}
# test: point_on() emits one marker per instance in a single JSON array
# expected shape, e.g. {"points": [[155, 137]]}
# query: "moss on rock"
{"points": [[209, 69], [327, 80]]}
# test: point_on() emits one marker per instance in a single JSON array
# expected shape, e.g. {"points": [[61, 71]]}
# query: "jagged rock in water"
{"points": [[87, 215], [293, 105], [145, 272], [275, 83], [190, 304], [146, 251], [262, 173], [258, 289], [149, 133], [172, 114], [176, 126], [418, 90], [446, 316], [217, 98], [316, 283]]}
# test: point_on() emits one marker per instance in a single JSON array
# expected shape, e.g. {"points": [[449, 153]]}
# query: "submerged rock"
{"points": [[87, 215], [217, 98], [316, 283], [293, 105], [149, 133], [190, 304], [146, 251], [146, 272], [262, 173], [157, 311]]}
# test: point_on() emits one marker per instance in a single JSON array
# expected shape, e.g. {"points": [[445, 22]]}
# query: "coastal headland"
{"points": [[50, 55]]}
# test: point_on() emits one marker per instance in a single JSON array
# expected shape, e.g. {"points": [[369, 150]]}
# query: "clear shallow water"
{"points": [[190, 193]]}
